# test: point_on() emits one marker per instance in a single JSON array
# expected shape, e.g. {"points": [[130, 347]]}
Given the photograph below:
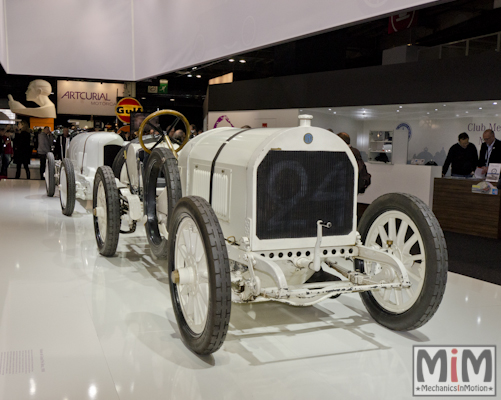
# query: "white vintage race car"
{"points": [[74, 176], [249, 215]]}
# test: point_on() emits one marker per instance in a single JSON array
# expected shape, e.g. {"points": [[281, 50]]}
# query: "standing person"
{"points": [[364, 178], [22, 149], [462, 156], [7, 151], [490, 151], [62, 145], [44, 146], [193, 131]]}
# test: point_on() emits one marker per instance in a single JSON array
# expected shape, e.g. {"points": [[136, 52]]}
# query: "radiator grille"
{"points": [[295, 189]]}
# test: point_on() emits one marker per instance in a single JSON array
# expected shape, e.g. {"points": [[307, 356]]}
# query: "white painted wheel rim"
{"points": [[408, 247], [101, 203], [63, 187], [190, 254], [162, 208]]}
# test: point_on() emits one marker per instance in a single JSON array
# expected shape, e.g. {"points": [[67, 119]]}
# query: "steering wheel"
{"points": [[164, 136]]}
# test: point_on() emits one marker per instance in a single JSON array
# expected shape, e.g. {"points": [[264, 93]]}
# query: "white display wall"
{"points": [[254, 118], [432, 138], [429, 138]]}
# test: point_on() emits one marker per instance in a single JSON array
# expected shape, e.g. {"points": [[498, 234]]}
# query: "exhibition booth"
{"points": [[241, 263], [416, 135]]}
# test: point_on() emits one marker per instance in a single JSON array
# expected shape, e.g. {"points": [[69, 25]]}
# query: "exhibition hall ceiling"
{"points": [[133, 40], [415, 111]]}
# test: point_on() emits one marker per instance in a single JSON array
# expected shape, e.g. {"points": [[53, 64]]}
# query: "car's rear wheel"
{"points": [[106, 210], [50, 174], [67, 188], [162, 190]]}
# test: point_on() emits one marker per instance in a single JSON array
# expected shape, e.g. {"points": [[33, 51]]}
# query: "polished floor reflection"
{"points": [[76, 325]]}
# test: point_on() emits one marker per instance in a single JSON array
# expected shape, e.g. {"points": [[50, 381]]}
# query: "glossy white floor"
{"points": [[75, 325]]}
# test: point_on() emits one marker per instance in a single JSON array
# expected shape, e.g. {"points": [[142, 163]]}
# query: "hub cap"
{"points": [[396, 232], [193, 287]]}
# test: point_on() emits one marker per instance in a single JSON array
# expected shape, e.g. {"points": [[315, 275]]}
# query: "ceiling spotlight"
{"points": [[194, 68], [436, 109], [445, 105], [330, 109], [243, 61], [189, 75], [495, 103], [199, 76], [466, 112], [172, 99], [427, 113], [398, 110], [143, 98], [479, 108], [399, 106], [457, 115], [231, 60], [334, 112]]}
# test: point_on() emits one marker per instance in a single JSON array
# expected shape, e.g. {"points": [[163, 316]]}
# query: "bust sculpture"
{"points": [[38, 92]]}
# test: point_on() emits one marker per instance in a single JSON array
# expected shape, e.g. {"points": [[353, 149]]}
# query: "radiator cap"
{"points": [[305, 119]]}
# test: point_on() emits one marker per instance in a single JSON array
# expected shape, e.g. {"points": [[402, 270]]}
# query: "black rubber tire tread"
{"points": [[50, 187], [118, 162], [67, 167], [219, 307], [160, 159], [107, 246], [436, 261]]}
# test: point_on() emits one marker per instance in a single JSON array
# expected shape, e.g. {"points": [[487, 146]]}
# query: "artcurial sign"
{"points": [[88, 98]]}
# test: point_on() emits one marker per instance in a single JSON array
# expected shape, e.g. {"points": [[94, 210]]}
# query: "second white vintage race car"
{"points": [[74, 176]]}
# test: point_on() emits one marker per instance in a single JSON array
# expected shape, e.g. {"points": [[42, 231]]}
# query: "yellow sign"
{"points": [[125, 107]]}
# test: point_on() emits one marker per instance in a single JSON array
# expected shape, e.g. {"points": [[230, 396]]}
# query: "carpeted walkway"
{"points": [[474, 256]]}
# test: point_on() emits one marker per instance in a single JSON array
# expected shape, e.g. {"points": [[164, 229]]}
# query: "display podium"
{"points": [[460, 210]]}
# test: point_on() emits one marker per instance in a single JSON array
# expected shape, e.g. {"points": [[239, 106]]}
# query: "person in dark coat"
{"points": [[22, 150], [364, 178], [490, 152], [62, 144], [462, 156]]}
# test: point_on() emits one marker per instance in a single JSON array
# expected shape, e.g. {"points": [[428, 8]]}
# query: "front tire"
{"points": [[50, 174], [200, 283], [106, 210], [405, 225], [67, 187], [162, 165]]}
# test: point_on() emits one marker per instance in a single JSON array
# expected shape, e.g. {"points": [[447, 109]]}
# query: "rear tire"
{"points": [[118, 163], [67, 187], [159, 208], [197, 255], [406, 225], [50, 174], [106, 210]]}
